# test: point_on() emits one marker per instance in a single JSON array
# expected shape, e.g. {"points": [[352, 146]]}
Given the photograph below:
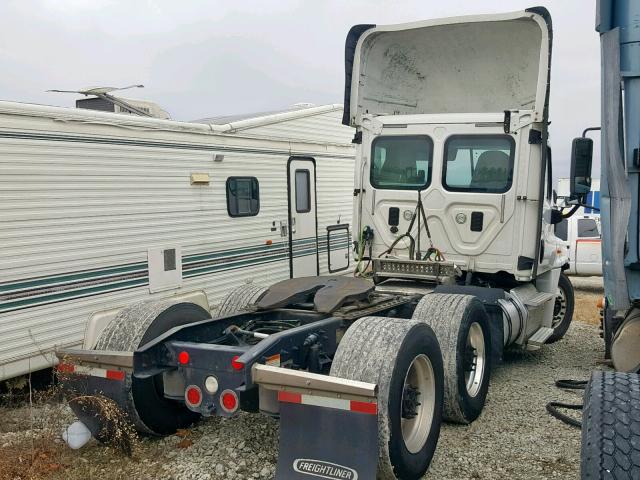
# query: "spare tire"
{"points": [[147, 408], [403, 358], [462, 326]]}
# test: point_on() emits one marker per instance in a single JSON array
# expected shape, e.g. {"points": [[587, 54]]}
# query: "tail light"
{"points": [[236, 364], [183, 358], [229, 401], [193, 396]]}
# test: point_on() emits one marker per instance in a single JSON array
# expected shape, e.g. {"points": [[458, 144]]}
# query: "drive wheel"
{"points": [[403, 358], [462, 326], [562, 309]]}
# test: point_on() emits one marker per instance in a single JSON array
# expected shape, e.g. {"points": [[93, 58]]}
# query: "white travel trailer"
{"points": [[99, 210]]}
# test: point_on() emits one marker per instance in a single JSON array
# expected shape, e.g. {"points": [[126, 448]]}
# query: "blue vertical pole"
{"points": [[625, 15]]}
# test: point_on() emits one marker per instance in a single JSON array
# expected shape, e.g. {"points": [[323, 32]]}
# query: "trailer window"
{"points": [[588, 228], [243, 196], [478, 163], [303, 191], [401, 162]]}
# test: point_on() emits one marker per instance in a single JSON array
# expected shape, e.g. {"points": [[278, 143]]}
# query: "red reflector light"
{"points": [[193, 395], [236, 364], [289, 397], [115, 374], [183, 358], [364, 407], [229, 401], [65, 368]]}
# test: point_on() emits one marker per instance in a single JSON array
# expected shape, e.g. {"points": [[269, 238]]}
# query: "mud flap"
{"points": [[88, 387], [324, 437], [328, 425], [83, 395]]}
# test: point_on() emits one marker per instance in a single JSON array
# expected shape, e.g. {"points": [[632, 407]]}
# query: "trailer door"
{"points": [[303, 231]]}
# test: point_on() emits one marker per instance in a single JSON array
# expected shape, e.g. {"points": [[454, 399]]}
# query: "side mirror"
{"points": [[581, 157]]}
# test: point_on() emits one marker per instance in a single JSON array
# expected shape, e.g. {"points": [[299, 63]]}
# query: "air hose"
{"points": [[553, 407], [366, 238]]}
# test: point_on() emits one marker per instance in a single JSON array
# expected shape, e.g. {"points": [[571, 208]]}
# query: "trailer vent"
{"points": [[170, 260], [165, 268]]}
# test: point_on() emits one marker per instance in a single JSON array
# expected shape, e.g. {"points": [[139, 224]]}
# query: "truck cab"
{"points": [[453, 171]]}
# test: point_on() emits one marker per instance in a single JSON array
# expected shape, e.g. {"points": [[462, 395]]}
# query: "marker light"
{"points": [[193, 396], [211, 384], [236, 364], [183, 358], [229, 401]]}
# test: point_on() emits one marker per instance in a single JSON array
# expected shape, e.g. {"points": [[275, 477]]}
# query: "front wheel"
{"points": [[562, 309], [403, 358]]}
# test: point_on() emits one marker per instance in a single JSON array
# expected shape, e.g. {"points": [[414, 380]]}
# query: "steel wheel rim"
{"points": [[420, 377], [475, 363], [559, 308]]}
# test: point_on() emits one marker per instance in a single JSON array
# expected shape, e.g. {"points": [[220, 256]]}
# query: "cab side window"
{"points": [[478, 163], [401, 162]]}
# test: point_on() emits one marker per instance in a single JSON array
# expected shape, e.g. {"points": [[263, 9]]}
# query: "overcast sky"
{"points": [[205, 58]]}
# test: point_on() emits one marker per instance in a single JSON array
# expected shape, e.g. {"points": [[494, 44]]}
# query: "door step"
{"points": [[539, 299], [537, 339]]}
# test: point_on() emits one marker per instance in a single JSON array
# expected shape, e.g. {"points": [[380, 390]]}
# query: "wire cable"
{"points": [[554, 407]]}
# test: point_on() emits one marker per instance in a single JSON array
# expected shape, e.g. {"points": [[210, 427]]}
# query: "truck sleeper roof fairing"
{"points": [[473, 64]]}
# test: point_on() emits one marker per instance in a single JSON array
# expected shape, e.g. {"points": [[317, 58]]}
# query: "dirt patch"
{"points": [[586, 310], [30, 460], [588, 291]]}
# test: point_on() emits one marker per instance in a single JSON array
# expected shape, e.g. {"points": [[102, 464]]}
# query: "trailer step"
{"points": [[539, 299], [537, 339]]}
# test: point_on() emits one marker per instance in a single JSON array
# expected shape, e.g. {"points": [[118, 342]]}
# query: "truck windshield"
{"points": [[478, 163], [401, 162]]}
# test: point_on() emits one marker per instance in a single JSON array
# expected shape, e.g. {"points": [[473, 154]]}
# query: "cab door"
{"points": [[303, 232]]}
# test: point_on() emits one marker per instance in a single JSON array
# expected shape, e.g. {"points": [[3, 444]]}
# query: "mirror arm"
{"points": [[573, 210], [589, 129]]}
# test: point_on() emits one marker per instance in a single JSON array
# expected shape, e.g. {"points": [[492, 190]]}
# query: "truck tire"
{"points": [[462, 326], [563, 309], [611, 427], [403, 358], [134, 326], [240, 298]]}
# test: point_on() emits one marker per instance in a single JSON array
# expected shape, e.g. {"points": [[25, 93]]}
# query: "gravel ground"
{"points": [[513, 438]]}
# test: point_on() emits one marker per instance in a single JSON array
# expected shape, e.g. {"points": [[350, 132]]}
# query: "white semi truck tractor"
{"points": [[457, 260]]}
